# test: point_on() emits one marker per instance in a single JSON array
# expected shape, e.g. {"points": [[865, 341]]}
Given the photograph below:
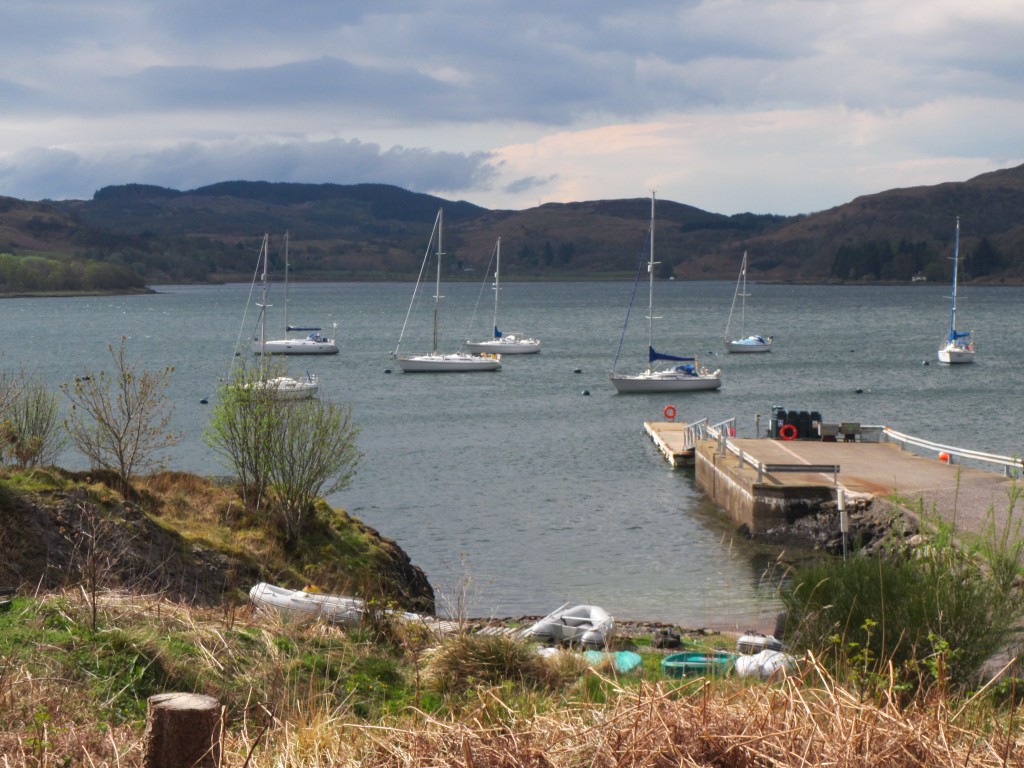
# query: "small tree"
{"points": [[312, 454], [120, 420], [240, 430], [294, 451], [32, 427]]}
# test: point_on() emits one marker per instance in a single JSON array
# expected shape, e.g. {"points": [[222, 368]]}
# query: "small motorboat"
{"points": [[587, 625], [621, 661], [698, 664]]}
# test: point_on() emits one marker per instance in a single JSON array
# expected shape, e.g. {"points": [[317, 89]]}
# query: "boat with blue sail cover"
{"points": [[958, 346], [314, 343], [683, 374], [502, 343]]}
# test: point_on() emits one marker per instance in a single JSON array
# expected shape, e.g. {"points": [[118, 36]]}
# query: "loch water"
{"points": [[520, 490]]}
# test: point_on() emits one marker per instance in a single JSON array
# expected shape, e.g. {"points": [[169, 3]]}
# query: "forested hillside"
{"points": [[133, 235]]}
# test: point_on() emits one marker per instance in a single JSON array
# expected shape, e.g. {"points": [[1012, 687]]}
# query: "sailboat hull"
{"points": [[287, 388], [954, 354], [506, 345], [664, 381], [453, 363], [295, 347], [749, 345]]}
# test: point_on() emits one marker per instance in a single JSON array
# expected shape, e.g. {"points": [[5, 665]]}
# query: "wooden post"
{"points": [[182, 731]]}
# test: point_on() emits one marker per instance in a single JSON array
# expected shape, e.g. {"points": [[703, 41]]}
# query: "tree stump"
{"points": [[182, 731]]}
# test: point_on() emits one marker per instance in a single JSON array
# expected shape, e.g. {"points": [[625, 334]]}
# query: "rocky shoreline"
{"points": [[873, 523]]}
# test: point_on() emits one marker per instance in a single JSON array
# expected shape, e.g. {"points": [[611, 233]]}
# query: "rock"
{"points": [[666, 638]]}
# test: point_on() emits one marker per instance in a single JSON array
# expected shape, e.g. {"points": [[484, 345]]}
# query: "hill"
{"points": [[377, 231], [186, 538]]}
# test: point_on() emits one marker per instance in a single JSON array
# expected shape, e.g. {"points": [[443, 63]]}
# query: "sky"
{"points": [[762, 106]]}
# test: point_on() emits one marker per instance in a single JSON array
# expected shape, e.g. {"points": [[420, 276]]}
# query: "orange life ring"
{"points": [[670, 412], [787, 432]]}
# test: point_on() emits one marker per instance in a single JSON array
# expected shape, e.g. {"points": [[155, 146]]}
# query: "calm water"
{"points": [[515, 491]]}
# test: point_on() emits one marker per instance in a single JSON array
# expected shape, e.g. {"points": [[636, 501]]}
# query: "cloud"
{"points": [[192, 164], [768, 105]]}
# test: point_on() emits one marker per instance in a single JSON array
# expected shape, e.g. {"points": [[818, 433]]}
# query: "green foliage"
{"points": [[32, 428], [312, 454], [114, 670], [242, 423], [295, 451], [950, 601]]}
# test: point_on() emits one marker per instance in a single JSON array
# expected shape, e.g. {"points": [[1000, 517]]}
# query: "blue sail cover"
{"points": [[497, 333], [301, 328], [653, 356], [954, 335]]}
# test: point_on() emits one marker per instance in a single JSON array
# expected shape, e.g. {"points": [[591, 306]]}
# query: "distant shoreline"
{"points": [[235, 279]]}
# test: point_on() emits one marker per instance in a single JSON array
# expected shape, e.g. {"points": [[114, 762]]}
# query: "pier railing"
{"points": [[1011, 465], [722, 431]]}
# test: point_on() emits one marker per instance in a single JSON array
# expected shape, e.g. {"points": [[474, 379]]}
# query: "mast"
{"points": [[437, 286], [743, 303], [263, 301], [497, 288], [286, 270], [650, 275], [956, 261]]}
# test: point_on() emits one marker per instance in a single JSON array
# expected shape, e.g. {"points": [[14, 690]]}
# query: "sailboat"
{"points": [[688, 376], [282, 387], [502, 343], [753, 343], [434, 361], [313, 344], [958, 346]]}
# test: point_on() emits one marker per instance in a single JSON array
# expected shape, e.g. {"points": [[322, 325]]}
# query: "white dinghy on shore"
{"points": [[586, 625], [299, 605]]}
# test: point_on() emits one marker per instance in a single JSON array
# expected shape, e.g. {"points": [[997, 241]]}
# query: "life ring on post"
{"points": [[787, 432], [670, 412]]}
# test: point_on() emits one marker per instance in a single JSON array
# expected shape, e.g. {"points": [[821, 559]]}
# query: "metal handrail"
{"points": [[1007, 462], [721, 435]]}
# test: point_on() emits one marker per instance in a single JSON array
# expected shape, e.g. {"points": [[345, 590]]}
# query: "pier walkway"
{"points": [[760, 481]]}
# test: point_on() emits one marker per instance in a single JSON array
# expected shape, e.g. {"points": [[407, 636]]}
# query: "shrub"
{"points": [[935, 613], [33, 434], [464, 661]]}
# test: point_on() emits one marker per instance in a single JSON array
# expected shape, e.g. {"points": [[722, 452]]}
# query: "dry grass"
{"points": [[804, 721]]}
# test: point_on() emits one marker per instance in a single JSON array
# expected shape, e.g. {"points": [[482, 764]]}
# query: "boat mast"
{"points": [[956, 261], [743, 303], [263, 301], [497, 288], [437, 287], [286, 270], [650, 275]]}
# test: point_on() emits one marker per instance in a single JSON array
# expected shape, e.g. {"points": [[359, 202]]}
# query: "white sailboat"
{"points": [[313, 344], [434, 361], [684, 375], [282, 387], [958, 346], [502, 343], [753, 343]]}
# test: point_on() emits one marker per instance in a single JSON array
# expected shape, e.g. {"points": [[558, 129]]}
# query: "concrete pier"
{"points": [[741, 481]]}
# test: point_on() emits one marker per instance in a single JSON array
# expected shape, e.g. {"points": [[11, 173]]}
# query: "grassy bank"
{"points": [[391, 694]]}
